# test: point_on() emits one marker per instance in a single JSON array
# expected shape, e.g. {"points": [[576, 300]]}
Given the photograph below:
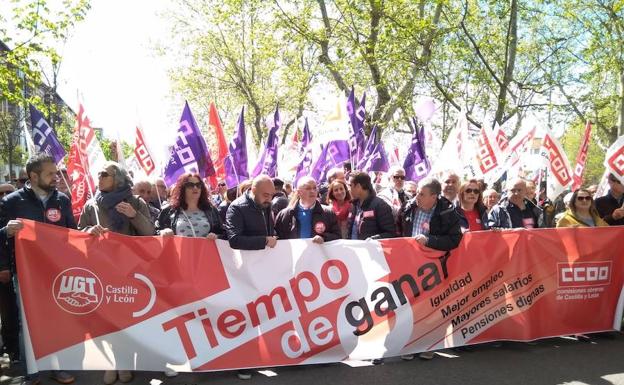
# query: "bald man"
{"points": [[249, 220]]}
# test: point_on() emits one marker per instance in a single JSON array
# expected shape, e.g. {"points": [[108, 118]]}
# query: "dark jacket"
{"points": [[24, 203], [375, 220], [605, 206], [499, 216], [444, 229], [324, 223], [247, 225], [279, 202], [168, 219], [463, 221]]}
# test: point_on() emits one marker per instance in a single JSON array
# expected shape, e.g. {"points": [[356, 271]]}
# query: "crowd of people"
{"points": [[258, 212]]}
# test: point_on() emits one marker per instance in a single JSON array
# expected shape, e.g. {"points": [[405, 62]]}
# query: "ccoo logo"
{"points": [[77, 291]]}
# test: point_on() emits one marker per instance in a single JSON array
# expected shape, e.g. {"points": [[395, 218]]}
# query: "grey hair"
{"points": [[432, 184], [121, 177]]}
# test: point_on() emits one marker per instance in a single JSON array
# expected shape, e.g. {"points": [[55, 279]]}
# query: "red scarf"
{"points": [[341, 211]]}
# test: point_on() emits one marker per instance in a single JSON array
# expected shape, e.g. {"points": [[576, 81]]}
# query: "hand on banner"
{"points": [[13, 226], [97, 230], [5, 276], [271, 241], [318, 239], [422, 239], [212, 236], [126, 209], [166, 233], [618, 213]]}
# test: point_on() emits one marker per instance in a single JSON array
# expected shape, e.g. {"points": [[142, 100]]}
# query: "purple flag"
{"points": [[268, 161], [333, 154], [303, 168], [378, 160], [416, 164], [368, 150], [44, 137], [236, 161], [189, 153], [357, 138]]}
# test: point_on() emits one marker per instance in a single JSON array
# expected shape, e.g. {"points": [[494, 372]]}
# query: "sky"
{"points": [[111, 64]]}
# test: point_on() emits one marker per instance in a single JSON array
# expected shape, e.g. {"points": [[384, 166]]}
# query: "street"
{"points": [[550, 361]]}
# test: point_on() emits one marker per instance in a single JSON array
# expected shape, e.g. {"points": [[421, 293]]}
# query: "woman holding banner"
{"points": [[190, 213], [115, 208], [581, 212]]}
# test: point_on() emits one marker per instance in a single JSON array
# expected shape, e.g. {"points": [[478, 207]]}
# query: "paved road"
{"points": [[552, 361]]}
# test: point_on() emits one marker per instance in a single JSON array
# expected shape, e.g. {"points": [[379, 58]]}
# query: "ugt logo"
{"points": [[77, 291]]}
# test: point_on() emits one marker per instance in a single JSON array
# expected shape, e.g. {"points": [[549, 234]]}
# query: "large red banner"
{"points": [[196, 305]]}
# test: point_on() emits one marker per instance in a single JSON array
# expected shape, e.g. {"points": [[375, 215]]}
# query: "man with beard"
{"points": [[249, 224], [38, 200], [249, 220]]}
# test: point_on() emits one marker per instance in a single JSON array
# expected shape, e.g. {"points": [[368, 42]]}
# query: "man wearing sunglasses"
{"points": [[394, 195], [38, 200], [515, 210], [610, 206]]}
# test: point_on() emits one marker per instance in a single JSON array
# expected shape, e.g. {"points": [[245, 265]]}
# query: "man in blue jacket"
{"points": [[40, 201]]}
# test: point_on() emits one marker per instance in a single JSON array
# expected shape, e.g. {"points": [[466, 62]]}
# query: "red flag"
{"points": [[581, 158], [77, 175], [142, 153], [217, 146]]}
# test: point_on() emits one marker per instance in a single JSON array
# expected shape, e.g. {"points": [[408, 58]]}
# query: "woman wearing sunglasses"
{"points": [[470, 208], [581, 212], [190, 213]]}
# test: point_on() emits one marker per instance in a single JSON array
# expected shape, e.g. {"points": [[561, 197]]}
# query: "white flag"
{"points": [[614, 161], [559, 172]]}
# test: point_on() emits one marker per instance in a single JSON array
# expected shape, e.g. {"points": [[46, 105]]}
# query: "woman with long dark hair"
{"points": [[190, 213]]}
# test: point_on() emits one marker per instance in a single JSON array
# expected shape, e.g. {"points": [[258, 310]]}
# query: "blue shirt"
{"points": [[304, 216], [422, 217]]}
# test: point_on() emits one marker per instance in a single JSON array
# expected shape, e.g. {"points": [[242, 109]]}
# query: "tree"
{"points": [[239, 57], [29, 51]]}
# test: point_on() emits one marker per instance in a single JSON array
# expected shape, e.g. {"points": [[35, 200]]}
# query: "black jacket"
{"points": [[375, 220], [168, 219], [24, 203], [247, 225], [463, 221], [279, 202], [324, 223], [444, 229], [605, 206], [500, 217]]}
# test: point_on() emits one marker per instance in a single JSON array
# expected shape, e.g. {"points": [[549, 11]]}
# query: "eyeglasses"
{"points": [[586, 198], [103, 174], [22, 180], [402, 177], [191, 185], [472, 191], [516, 190], [221, 184]]}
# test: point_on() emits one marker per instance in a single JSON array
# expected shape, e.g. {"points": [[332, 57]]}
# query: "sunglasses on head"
{"points": [[191, 185], [402, 177], [471, 191], [587, 198]]}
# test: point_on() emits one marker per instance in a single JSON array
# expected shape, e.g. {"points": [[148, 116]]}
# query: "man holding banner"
{"points": [[38, 200]]}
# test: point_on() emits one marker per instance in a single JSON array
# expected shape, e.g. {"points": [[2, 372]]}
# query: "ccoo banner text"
{"points": [[146, 303]]}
